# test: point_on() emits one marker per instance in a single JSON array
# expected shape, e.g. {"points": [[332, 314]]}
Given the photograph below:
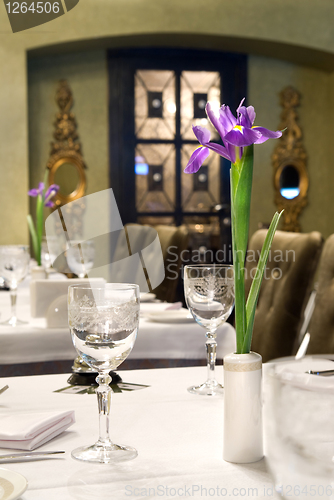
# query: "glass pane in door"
{"points": [[197, 88], [155, 104], [155, 177], [200, 191]]}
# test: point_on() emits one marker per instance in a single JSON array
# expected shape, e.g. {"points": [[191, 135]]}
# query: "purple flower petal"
{"points": [[244, 119], [226, 119], [251, 114], [266, 134], [33, 192], [196, 160], [242, 136], [36, 192], [49, 204], [214, 119], [221, 150], [231, 152], [53, 188], [202, 135]]}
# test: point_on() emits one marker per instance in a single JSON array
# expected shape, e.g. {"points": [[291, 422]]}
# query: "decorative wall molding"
{"points": [[290, 153], [66, 150]]}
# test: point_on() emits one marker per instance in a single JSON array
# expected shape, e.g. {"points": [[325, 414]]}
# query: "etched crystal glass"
{"points": [[14, 266], [209, 294], [104, 324], [299, 430]]}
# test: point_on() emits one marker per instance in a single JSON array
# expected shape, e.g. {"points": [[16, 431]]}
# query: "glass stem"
{"points": [[211, 348], [104, 399], [13, 296]]}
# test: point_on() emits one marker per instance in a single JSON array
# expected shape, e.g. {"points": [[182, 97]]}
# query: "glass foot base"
{"points": [[105, 454], [207, 389], [14, 322]]}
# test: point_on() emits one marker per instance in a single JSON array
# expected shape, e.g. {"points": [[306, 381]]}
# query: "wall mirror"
{"points": [[68, 173], [289, 182], [289, 162]]}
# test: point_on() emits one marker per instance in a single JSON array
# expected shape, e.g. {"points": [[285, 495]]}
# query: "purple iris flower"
{"points": [[50, 192], [236, 133], [35, 192]]}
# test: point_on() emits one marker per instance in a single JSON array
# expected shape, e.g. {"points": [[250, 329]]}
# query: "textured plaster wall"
{"points": [[267, 77], [204, 23], [87, 75]]}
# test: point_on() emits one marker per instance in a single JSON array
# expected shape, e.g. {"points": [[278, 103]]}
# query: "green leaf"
{"points": [[33, 235], [256, 284]]}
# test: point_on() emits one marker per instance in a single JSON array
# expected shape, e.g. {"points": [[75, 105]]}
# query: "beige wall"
{"points": [[87, 75], [290, 30], [267, 77]]}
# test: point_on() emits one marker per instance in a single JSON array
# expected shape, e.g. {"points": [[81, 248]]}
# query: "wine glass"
{"points": [[209, 294], [104, 324], [50, 251], [80, 257], [14, 266]]}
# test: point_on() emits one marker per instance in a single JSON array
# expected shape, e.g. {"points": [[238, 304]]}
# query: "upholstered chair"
{"points": [[284, 291], [173, 241], [321, 327]]}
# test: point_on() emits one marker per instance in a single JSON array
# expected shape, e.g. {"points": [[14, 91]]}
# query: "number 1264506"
{"points": [[38, 7]]}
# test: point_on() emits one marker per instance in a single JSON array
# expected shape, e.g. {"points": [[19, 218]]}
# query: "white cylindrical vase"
{"points": [[38, 273], [243, 433]]}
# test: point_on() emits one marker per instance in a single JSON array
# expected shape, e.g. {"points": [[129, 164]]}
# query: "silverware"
{"points": [[324, 373], [28, 455], [3, 389]]}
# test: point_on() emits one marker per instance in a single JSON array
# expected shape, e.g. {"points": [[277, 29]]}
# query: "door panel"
{"points": [[156, 96]]}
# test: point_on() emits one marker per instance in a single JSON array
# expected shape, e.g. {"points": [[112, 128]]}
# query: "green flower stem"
{"points": [[33, 233], [241, 188], [39, 227]]}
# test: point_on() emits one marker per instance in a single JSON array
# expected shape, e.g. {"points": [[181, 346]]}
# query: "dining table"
{"points": [[160, 337], [178, 436]]}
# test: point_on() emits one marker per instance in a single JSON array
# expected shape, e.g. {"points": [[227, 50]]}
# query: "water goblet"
{"points": [[104, 324], [209, 294], [14, 266], [80, 257]]}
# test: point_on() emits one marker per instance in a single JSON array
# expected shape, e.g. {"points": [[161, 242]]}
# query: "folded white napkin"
{"points": [[27, 431]]}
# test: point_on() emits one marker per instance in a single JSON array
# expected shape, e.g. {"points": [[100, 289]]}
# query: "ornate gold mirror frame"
{"points": [[290, 154], [66, 150]]}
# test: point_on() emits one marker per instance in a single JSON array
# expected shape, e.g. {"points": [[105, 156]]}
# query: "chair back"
{"points": [[321, 327], [286, 285], [173, 241]]}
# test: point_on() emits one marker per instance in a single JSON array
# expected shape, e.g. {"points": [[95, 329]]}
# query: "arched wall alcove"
{"points": [[275, 35]]}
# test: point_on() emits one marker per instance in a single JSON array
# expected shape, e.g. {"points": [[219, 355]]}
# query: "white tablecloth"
{"points": [[179, 438], [35, 342]]}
